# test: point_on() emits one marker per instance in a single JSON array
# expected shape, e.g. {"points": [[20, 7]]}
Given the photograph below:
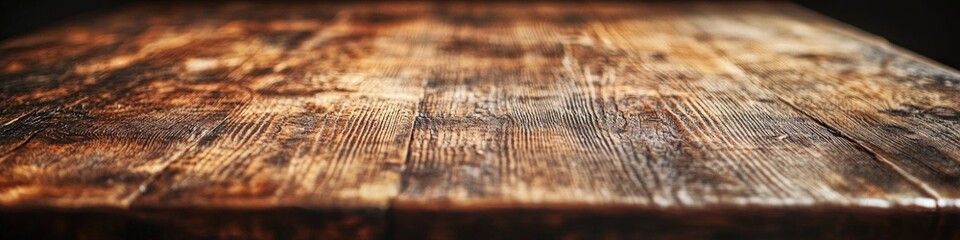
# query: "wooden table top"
{"points": [[480, 120]]}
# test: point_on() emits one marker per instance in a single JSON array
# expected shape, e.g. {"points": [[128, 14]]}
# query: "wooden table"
{"points": [[482, 120]]}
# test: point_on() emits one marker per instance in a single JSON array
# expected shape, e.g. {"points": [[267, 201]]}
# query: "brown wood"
{"points": [[474, 120]]}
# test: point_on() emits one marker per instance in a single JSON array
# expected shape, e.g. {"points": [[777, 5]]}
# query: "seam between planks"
{"points": [[406, 159], [417, 116], [927, 190], [391, 222]]}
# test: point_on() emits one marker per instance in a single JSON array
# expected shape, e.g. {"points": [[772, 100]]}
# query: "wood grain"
{"points": [[475, 120]]}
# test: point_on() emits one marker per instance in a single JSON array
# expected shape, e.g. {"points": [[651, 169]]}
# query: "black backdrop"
{"points": [[925, 26]]}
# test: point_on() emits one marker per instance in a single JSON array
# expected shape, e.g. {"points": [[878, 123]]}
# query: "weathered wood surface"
{"points": [[474, 120]]}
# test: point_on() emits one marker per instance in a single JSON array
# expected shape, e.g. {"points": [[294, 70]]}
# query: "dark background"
{"points": [[924, 26]]}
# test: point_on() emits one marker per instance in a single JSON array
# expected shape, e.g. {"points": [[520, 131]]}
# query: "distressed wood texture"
{"points": [[474, 120]]}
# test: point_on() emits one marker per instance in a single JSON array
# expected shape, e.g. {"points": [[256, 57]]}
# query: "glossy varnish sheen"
{"points": [[474, 120]]}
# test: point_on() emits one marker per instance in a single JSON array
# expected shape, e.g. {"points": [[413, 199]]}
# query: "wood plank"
{"points": [[303, 107], [623, 109], [324, 123], [324, 131], [90, 140], [900, 108]]}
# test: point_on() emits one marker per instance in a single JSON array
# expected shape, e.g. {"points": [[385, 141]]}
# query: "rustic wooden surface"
{"points": [[474, 120]]}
